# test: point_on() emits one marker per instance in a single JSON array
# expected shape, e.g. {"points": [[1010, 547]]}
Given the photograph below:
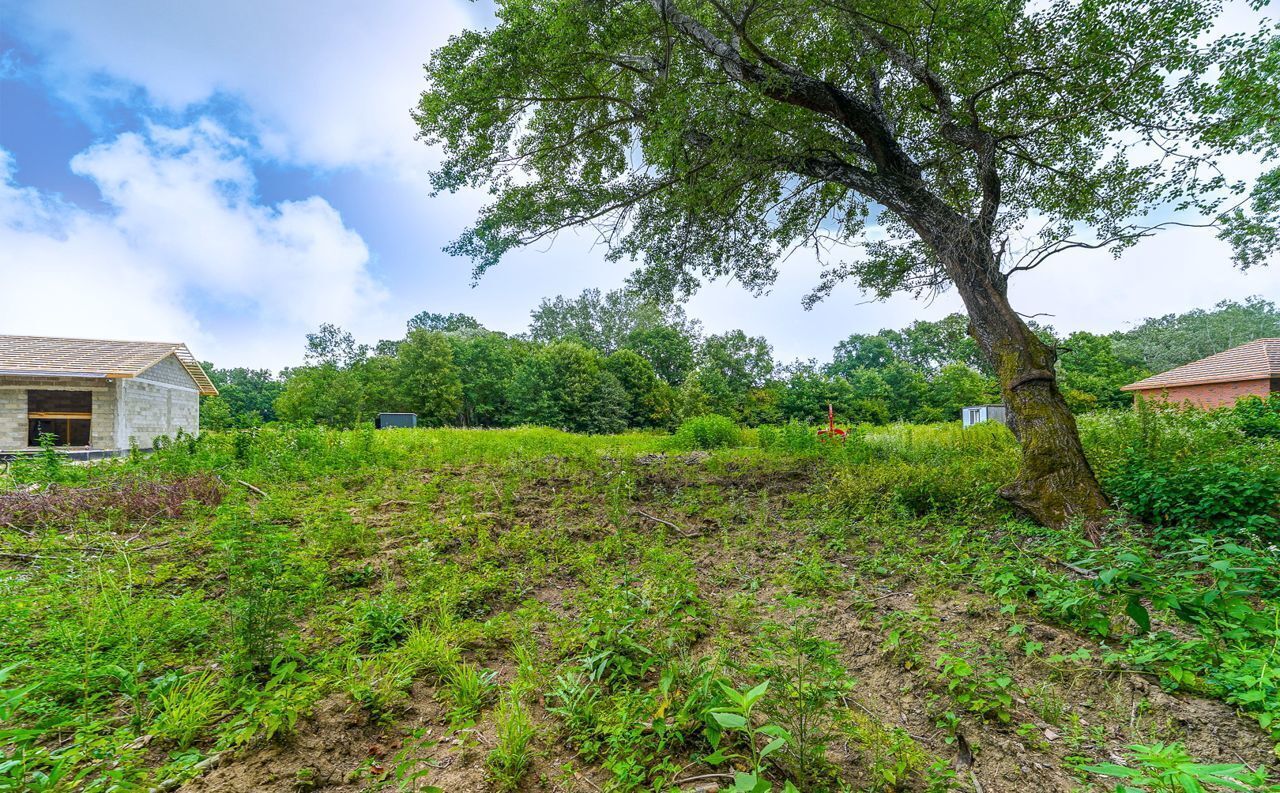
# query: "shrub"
{"points": [[1259, 418], [1230, 494], [1188, 470], [792, 437], [711, 431]]}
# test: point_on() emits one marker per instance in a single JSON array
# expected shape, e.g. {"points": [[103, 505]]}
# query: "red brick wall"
{"points": [[1208, 395]]}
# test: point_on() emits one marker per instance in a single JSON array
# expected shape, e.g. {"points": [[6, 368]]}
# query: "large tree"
{"points": [[709, 138]]}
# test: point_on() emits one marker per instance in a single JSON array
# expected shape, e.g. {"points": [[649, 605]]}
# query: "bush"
{"points": [[1226, 494], [1188, 470], [708, 432], [1259, 418], [792, 437]]}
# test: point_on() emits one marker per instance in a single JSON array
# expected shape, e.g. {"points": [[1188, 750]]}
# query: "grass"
{"points": [[500, 609]]}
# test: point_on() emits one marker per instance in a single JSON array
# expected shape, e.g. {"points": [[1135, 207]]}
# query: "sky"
{"points": [[233, 174]]}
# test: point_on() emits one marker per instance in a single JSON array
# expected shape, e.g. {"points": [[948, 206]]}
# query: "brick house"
{"points": [[1219, 380], [97, 395]]}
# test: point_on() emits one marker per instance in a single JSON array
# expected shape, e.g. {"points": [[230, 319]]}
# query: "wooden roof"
{"points": [[1257, 360], [47, 356]]}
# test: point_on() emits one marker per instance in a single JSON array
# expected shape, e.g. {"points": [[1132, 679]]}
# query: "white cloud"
{"points": [[186, 237], [327, 83]]}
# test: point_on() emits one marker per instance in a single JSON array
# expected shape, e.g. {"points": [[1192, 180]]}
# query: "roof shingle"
{"points": [[1257, 360], [44, 355]]}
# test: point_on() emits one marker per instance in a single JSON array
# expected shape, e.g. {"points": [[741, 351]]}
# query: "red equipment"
{"points": [[832, 432]]}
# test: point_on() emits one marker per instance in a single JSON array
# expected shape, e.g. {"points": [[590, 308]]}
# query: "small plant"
{"points": [[186, 707], [907, 633], [811, 574], [468, 689], [574, 699], [807, 678], [708, 432], [892, 758], [1161, 768], [382, 622], [258, 602], [273, 710], [512, 757], [52, 463], [975, 689], [379, 684], [736, 718], [430, 652]]}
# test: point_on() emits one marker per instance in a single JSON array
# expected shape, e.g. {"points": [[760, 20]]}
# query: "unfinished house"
{"points": [[97, 397]]}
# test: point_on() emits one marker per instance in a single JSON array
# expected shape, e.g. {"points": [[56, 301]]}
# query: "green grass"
{"points": [[513, 590]]}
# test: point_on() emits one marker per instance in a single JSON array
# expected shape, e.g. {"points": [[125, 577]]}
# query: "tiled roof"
{"points": [[42, 355], [1257, 360]]}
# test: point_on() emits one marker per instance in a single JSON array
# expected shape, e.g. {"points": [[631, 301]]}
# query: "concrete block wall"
{"points": [[102, 429], [169, 370], [160, 401], [13, 417], [1208, 395]]}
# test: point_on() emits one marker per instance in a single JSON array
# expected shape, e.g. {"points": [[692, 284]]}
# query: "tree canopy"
{"points": [[710, 138]]}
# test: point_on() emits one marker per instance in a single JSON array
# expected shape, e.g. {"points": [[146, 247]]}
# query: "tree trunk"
{"points": [[1055, 484]]}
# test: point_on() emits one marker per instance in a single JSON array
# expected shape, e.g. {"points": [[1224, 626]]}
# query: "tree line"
{"points": [[605, 362]]}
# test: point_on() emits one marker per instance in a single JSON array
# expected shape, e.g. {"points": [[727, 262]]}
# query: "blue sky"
{"points": [[233, 174]]}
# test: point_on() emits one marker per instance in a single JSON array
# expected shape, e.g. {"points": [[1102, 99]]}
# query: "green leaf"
{"points": [[730, 721], [756, 693], [1111, 769], [772, 746], [1138, 613]]}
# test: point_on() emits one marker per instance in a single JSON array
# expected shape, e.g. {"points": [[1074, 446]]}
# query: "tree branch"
{"points": [[785, 83]]}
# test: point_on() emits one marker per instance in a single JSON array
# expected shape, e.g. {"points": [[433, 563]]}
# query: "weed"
{"points": [[976, 689], [379, 684], [1161, 768], [512, 756], [735, 719], [186, 707], [575, 701], [259, 604], [272, 711], [429, 651], [892, 758], [806, 678], [906, 635], [468, 689]]}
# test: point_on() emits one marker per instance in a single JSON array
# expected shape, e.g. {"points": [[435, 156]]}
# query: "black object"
{"points": [[388, 420]]}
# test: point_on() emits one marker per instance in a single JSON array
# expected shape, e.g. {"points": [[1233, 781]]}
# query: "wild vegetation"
{"points": [[302, 608]]}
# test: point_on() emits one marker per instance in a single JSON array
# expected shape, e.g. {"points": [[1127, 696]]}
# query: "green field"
{"points": [[303, 609]]}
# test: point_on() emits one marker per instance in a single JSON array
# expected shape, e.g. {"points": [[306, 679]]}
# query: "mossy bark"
{"points": [[1055, 484]]}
